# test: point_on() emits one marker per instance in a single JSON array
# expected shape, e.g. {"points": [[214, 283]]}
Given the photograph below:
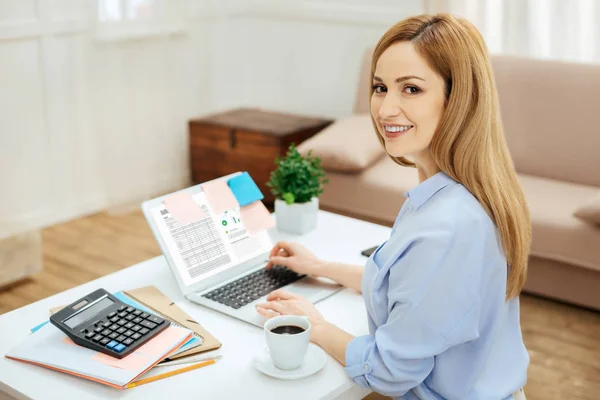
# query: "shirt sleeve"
{"points": [[432, 305]]}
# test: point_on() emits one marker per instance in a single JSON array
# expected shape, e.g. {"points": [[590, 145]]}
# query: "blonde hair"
{"points": [[469, 143]]}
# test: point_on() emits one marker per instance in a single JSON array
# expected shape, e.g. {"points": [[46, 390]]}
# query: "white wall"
{"points": [[91, 116]]}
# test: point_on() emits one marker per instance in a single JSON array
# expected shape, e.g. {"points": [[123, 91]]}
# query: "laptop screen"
{"points": [[210, 245]]}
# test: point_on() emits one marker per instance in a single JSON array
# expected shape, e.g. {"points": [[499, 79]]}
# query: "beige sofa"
{"points": [[550, 113]]}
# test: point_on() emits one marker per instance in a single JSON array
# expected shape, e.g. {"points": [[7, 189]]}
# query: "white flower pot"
{"points": [[296, 218]]}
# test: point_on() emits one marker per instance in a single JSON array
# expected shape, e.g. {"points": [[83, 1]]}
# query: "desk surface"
{"points": [[337, 238]]}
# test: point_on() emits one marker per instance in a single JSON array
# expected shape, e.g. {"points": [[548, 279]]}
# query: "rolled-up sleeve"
{"points": [[430, 308]]}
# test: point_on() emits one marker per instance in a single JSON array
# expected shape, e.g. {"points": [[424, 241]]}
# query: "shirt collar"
{"points": [[426, 189]]}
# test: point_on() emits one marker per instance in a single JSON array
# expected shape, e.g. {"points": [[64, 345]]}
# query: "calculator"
{"points": [[101, 322]]}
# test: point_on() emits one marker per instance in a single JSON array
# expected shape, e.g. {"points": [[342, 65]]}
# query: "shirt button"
{"points": [[367, 368]]}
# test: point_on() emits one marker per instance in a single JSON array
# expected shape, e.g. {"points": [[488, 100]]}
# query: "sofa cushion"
{"points": [[590, 211], [347, 145], [377, 192], [557, 233]]}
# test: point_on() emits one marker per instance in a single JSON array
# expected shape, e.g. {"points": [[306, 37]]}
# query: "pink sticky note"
{"points": [[159, 345], [183, 208], [219, 196], [133, 362], [256, 217]]}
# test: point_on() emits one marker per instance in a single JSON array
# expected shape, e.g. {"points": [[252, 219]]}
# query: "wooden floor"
{"points": [[563, 341]]}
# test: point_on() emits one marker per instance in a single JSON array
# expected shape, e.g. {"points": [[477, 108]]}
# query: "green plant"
{"points": [[297, 179]]}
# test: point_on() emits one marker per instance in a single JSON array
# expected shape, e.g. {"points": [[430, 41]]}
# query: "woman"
{"points": [[442, 293]]}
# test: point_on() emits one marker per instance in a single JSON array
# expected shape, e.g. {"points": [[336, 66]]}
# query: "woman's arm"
{"points": [[345, 274], [331, 339]]}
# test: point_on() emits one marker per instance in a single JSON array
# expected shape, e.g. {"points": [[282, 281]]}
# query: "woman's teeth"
{"points": [[397, 128]]}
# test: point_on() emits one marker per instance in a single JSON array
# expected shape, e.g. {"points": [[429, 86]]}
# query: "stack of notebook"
{"points": [[48, 347]]}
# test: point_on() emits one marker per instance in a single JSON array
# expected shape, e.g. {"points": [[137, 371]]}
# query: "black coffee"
{"points": [[287, 330]]}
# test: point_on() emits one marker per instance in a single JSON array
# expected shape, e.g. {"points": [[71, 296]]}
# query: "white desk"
{"points": [[233, 377]]}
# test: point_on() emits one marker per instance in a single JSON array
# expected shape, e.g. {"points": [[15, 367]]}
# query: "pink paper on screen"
{"points": [[256, 217], [183, 208], [219, 196]]}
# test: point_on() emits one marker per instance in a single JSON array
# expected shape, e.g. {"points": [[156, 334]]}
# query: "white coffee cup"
{"points": [[287, 350]]}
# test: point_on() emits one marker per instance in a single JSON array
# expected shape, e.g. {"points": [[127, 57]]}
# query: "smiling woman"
{"points": [[442, 293]]}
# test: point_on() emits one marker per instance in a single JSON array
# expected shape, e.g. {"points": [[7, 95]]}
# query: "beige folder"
{"points": [[156, 301]]}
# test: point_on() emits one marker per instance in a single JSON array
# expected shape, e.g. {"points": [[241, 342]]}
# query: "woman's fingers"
{"points": [[276, 306], [267, 312], [277, 251], [281, 294]]}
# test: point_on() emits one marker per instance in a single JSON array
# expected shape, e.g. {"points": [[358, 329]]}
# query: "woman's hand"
{"points": [[295, 257], [281, 302]]}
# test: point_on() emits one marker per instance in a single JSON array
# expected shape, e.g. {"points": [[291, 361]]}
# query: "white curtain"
{"points": [[551, 29]]}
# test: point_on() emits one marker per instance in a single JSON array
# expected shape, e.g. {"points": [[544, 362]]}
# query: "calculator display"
{"points": [[88, 313]]}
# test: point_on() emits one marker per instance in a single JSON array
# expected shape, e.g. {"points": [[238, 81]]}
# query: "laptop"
{"points": [[219, 265]]}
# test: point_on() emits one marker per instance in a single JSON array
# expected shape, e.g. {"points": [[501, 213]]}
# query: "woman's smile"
{"points": [[394, 131]]}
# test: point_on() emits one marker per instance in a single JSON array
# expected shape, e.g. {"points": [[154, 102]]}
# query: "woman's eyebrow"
{"points": [[401, 79]]}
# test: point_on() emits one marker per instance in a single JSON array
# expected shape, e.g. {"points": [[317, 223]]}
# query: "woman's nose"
{"points": [[390, 108]]}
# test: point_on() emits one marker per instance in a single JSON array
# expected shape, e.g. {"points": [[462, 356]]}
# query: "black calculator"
{"points": [[101, 322]]}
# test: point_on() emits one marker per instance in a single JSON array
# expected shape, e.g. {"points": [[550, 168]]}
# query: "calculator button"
{"points": [[121, 330], [136, 336], [114, 327], [137, 313], [89, 335], [106, 332], [114, 319], [113, 335], [156, 320], [122, 322], [145, 315], [148, 324], [112, 344], [130, 309], [137, 320], [136, 328], [99, 329], [119, 348], [122, 308], [97, 338], [127, 342], [112, 314], [121, 338], [122, 314], [130, 317], [129, 325], [128, 333], [144, 331], [104, 341], [106, 324]]}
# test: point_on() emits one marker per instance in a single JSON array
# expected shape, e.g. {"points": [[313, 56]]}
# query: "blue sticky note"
{"points": [[244, 189]]}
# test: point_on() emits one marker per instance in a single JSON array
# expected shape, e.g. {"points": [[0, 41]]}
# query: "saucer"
{"points": [[314, 361]]}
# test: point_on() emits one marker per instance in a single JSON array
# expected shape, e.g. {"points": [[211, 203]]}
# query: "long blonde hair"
{"points": [[469, 143]]}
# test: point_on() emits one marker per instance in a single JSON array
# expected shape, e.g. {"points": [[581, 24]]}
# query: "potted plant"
{"points": [[297, 183]]}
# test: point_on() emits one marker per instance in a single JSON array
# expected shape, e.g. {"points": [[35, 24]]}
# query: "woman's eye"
{"points": [[411, 90], [379, 89]]}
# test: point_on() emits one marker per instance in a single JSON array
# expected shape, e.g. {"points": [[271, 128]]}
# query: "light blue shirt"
{"points": [[440, 327]]}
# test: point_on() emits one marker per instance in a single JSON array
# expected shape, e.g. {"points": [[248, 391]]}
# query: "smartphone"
{"points": [[368, 252]]}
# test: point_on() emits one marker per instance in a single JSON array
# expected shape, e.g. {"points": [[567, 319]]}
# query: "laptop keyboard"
{"points": [[251, 287]]}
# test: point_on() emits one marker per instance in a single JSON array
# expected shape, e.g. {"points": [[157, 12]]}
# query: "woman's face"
{"points": [[407, 102]]}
